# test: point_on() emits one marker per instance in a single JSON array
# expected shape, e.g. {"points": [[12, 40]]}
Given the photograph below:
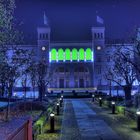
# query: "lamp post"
{"points": [[60, 102], [93, 97], [100, 101], [113, 107], [62, 97], [138, 119], [52, 122], [57, 108]]}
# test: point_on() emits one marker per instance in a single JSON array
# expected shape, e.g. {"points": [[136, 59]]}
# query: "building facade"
{"points": [[76, 65]]}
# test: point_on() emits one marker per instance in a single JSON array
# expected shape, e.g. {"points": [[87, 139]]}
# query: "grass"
{"points": [[46, 130], [124, 126], [46, 134]]}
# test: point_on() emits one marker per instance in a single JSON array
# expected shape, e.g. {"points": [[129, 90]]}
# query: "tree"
{"points": [[11, 57], [121, 70]]}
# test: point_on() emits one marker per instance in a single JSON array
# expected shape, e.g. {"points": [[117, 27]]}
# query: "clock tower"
{"points": [[44, 41]]}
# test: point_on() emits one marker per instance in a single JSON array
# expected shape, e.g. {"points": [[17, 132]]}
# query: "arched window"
{"points": [[53, 55], [67, 54], [88, 54], [74, 54], [81, 54], [60, 54]]}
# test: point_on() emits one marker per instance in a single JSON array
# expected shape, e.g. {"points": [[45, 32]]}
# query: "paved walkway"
{"points": [[82, 123]]}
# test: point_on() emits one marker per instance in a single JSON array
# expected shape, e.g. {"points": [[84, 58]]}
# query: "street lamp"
{"points": [[100, 101], [93, 97], [113, 107], [60, 100], [138, 119], [62, 97], [58, 108], [52, 122]]}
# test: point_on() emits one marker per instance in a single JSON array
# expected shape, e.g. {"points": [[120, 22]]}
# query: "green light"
{"points": [[74, 54], [88, 54], [53, 55], [81, 54], [67, 54], [60, 54]]}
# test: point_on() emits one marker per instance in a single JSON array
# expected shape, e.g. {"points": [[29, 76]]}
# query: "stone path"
{"points": [[82, 123], [70, 129]]}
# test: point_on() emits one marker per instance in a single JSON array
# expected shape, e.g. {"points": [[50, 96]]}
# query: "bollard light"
{"points": [[57, 108], [113, 107], [52, 122], [100, 101], [138, 119], [60, 100], [62, 97], [93, 97], [15, 94]]}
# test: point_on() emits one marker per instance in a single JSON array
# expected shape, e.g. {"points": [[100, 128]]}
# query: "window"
{"points": [[81, 69], [67, 54], [61, 69], [101, 35], [88, 54], [98, 35], [87, 83], [76, 83], [74, 54], [94, 35], [40, 36], [99, 82], [67, 83], [60, 54], [81, 54], [53, 55]]}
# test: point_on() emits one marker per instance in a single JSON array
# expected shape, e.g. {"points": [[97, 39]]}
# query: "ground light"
{"points": [[113, 107], [57, 108], [93, 97], [52, 122], [100, 101], [138, 119]]}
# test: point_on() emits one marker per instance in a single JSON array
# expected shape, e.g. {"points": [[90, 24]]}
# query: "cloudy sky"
{"points": [[71, 20]]}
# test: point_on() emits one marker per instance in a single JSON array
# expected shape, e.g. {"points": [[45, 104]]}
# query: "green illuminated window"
{"points": [[60, 54], [81, 54], [74, 54], [53, 54], [88, 54], [67, 54]]}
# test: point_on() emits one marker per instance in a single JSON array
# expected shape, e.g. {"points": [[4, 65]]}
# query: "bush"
{"points": [[120, 109]]}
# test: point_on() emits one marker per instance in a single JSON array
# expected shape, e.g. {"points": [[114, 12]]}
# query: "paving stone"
{"points": [[80, 122]]}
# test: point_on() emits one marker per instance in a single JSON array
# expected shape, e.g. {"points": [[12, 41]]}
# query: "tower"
{"points": [[44, 40], [98, 46]]}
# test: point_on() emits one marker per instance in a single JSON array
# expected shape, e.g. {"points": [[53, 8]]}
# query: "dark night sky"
{"points": [[73, 19]]}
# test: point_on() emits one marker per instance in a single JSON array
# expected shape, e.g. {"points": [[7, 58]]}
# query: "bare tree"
{"points": [[121, 70]]}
